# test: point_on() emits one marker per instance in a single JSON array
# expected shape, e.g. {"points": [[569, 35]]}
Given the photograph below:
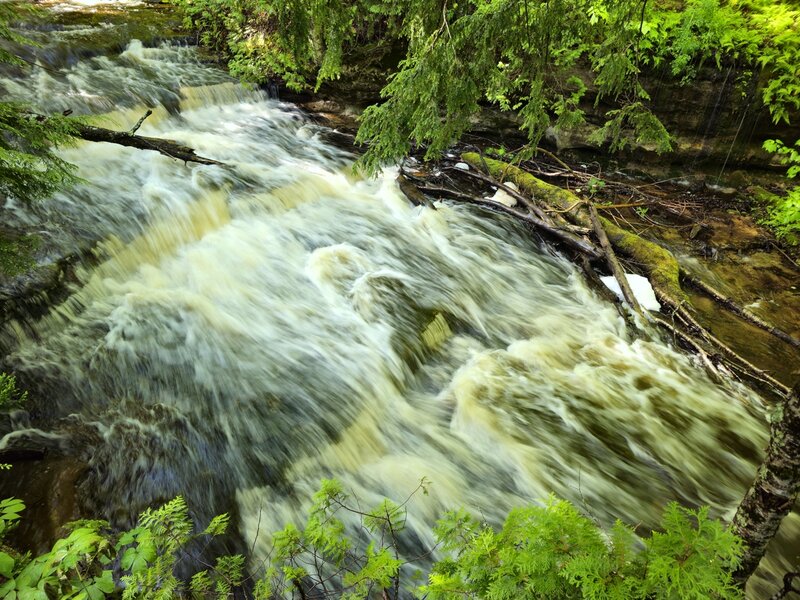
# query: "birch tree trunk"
{"points": [[775, 489]]}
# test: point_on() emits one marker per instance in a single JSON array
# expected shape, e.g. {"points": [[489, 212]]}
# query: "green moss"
{"points": [[16, 253], [502, 171], [763, 196], [658, 263], [780, 213]]}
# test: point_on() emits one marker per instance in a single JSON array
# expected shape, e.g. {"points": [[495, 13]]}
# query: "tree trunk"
{"points": [[775, 489]]}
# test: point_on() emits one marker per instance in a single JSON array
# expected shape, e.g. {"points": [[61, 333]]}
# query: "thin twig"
{"points": [[140, 121]]}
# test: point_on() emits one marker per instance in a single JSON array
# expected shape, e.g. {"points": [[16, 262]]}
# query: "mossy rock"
{"points": [[67, 36], [763, 196]]}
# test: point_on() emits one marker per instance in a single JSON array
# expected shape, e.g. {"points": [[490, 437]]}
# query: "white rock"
{"points": [[641, 288], [512, 185], [462, 166], [503, 197]]}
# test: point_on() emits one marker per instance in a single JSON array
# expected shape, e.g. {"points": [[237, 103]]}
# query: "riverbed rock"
{"points": [[49, 489], [732, 231]]}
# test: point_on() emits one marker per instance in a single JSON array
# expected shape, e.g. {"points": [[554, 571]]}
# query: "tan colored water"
{"points": [[247, 331]]}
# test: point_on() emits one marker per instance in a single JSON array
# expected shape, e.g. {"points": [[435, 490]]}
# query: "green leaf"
{"points": [[6, 564], [105, 583], [218, 525]]}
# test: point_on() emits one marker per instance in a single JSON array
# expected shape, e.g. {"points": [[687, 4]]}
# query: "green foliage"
{"points": [[784, 213], [149, 554], [784, 217], [322, 556], [521, 56], [29, 168], [10, 396], [82, 565], [595, 185], [554, 552], [9, 13], [550, 552], [10, 509], [517, 55], [16, 253], [790, 155], [73, 569], [632, 122]]}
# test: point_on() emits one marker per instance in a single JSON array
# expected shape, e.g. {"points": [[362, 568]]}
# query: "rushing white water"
{"points": [[88, 5], [248, 330]]}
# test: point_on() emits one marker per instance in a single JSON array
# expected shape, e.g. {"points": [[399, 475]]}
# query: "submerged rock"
{"points": [[49, 489]]}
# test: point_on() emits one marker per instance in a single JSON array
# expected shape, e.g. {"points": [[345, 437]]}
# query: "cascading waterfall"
{"points": [[248, 330]]}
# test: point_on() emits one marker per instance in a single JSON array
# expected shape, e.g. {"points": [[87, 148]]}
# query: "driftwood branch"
{"points": [[169, 148], [613, 263], [566, 237], [692, 343], [742, 312], [135, 128]]}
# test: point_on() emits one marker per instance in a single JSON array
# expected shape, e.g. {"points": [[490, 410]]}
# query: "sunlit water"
{"points": [[248, 330], [89, 5]]}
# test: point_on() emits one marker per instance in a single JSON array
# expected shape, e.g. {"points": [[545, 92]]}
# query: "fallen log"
{"points": [[92, 133], [556, 221], [568, 238], [170, 148], [657, 262], [511, 192]]}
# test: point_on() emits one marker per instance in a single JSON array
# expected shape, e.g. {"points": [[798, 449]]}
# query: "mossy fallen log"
{"points": [[656, 262]]}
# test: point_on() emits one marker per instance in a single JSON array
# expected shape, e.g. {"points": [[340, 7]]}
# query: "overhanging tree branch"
{"points": [[169, 148]]}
